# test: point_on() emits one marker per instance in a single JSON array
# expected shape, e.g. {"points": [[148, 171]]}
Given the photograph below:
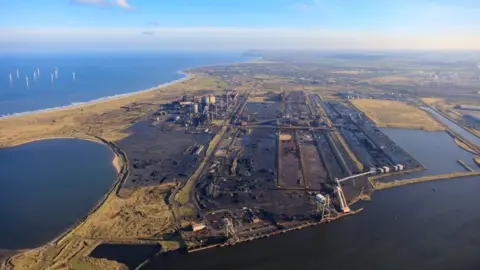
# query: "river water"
{"points": [[432, 225], [436, 150], [47, 186], [466, 134]]}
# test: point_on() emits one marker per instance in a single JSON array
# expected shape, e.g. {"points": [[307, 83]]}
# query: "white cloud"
{"points": [[122, 4], [119, 3], [225, 38]]}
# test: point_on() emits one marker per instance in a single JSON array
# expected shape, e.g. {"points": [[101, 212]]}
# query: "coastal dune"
{"points": [[106, 118], [103, 121]]}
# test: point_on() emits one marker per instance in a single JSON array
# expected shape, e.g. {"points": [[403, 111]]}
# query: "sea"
{"points": [[58, 80]]}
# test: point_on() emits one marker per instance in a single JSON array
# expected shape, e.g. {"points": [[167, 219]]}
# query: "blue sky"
{"points": [[239, 24]]}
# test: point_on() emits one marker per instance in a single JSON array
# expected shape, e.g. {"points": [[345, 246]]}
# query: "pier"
{"points": [[277, 232], [385, 185]]}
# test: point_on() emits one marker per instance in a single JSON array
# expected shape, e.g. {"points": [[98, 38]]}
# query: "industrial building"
{"points": [[468, 107], [473, 119]]}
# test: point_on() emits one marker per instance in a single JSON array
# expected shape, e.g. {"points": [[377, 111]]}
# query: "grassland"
{"points": [[433, 101], [448, 108], [395, 114], [106, 119], [142, 215], [465, 146], [348, 72], [477, 160], [390, 80]]}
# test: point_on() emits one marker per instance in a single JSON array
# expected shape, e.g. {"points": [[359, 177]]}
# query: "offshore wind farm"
{"points": [[273, 134], [73, 79]]}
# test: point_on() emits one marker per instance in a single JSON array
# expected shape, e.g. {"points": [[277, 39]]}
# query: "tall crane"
{"points": [[324, 207], [339, 191], [229, 230]]}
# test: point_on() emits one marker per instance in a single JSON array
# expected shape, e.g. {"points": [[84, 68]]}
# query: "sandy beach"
{"points": [[98, 121], [116, 164], [104, 118], [186, 77]]}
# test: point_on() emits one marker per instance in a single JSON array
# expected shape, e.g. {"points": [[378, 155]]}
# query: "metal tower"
{"points": [[324, 207], [229, 230]]}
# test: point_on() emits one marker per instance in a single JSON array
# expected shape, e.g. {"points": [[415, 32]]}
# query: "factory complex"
{"points": [[255, 164]]}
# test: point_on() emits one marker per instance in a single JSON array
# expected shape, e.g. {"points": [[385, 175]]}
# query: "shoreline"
{"points": [[116, 163], [120, 169], [113, 191], [187, 75]]}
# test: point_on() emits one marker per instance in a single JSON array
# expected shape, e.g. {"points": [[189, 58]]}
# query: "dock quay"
{"points": [[277, 232], [382, 185]]}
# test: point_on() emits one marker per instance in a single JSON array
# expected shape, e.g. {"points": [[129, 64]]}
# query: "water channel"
{"points": [[431, 225], [460, 130], [47, 186], [436, 150]]}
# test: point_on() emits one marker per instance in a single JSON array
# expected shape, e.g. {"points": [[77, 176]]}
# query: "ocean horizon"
{"points": [[58, 80]]}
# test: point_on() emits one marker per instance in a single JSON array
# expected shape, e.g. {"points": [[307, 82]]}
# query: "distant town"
{"points": [[252, 150]]}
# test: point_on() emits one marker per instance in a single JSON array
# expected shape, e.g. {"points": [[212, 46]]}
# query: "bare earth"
{"points": [[395, 114], [106, 119], [144, 214]]}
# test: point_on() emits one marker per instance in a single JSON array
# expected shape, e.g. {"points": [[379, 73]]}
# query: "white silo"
{"points": [[212, 99], [205, 100]]}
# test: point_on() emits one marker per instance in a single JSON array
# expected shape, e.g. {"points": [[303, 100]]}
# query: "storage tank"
{"points": [[395, 168], [205, 100], [195, 108], [400, 167], [212, 99], [387, 169], [381, 170], [198, 227], [320, 198]]}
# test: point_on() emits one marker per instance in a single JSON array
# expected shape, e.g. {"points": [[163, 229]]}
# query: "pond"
{"points": [[47, 186]]}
